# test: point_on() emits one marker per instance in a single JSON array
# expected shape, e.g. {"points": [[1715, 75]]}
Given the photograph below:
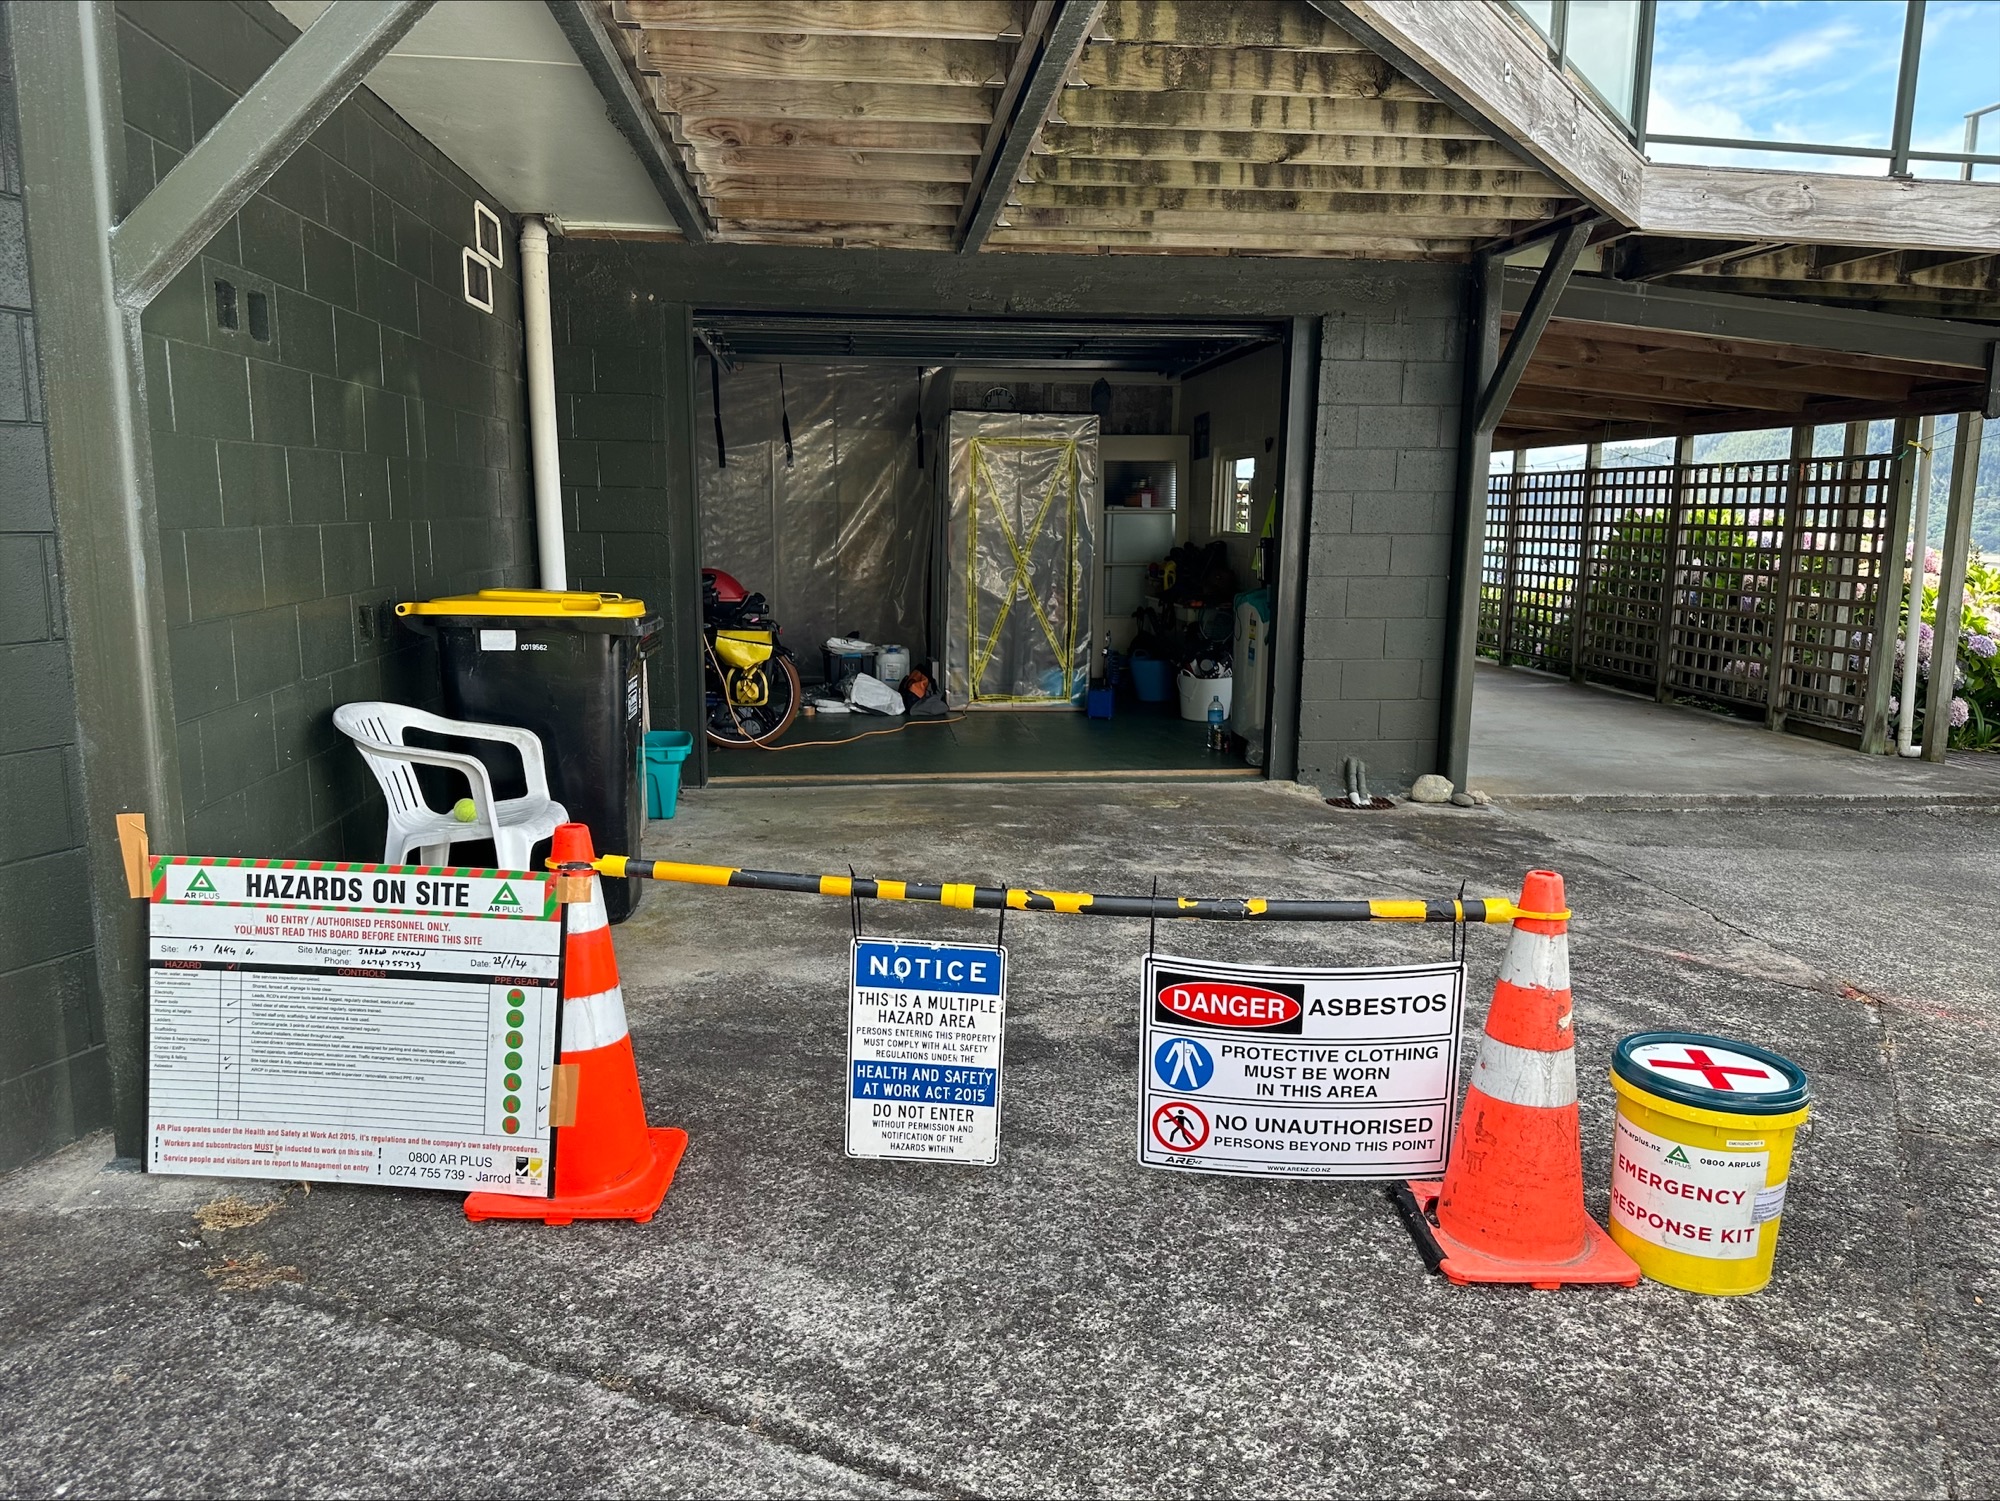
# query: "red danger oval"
{"points": [[1227, 1003]]}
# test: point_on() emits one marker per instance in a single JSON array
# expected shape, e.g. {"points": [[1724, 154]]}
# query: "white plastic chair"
{"points": [[515, 826]]}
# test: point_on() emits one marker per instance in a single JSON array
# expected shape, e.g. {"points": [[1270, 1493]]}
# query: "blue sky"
{"points": [[1821, 71]]}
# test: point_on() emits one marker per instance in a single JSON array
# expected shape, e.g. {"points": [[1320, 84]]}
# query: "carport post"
{"points": [[1670, 573], [1475, 456], [1889, 593], [1281, 724], [95, 271], [1788, 573], [1951, 583], [1579, 610]]}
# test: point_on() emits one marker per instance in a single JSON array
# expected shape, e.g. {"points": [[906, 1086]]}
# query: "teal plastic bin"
{"points": [[664, 751]]}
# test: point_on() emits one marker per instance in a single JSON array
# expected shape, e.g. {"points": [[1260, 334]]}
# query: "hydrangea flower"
{"points": [[1961, 712], [1983, 646]]}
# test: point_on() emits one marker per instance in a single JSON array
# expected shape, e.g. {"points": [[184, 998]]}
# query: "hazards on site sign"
{"points": [[352, 1023], [1298, 1073], [923, 1051], [1699, 1200]]}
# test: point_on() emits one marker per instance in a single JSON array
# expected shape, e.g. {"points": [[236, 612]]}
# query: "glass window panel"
{"points": [[1603, 45], [1959, 72], [1541, 12], [1819, 71]]}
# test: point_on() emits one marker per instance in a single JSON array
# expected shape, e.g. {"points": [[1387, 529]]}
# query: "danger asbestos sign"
{"points": [[1298, 1073]]}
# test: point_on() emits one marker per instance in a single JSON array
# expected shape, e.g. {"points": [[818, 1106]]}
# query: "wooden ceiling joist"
{"points": [[696, 97], [968, 19], [1603, 382], [740, 169], [1045, 194], [1112, 143], [1246, 70], [843, 59], [1243, 23], [1281, 114], [1290, 177], [833, 135]]}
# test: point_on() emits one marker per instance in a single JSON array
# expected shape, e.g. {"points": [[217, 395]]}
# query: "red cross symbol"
{"points": [[1715, 1075]]}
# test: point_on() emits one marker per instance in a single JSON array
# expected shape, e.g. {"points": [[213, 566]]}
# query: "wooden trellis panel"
{"points": [[1841, 518], [1545, 547], [1626, 596], [1723, 582], [1493, 563]]}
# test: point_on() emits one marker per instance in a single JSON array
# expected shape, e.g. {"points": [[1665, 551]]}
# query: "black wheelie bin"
{"points": [[567, 667]]}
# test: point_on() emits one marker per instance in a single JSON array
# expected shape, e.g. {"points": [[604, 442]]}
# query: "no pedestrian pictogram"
{"points": [[1180, 1127]]}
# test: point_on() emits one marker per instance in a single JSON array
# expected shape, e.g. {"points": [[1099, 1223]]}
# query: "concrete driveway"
{"points": [[1067, 1322]]}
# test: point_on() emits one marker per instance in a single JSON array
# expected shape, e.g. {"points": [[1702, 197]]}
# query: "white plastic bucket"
{"points": [[1196, 692], [892, 664]]}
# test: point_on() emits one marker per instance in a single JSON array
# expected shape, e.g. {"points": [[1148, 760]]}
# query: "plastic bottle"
{"points": [[1218, 733]]}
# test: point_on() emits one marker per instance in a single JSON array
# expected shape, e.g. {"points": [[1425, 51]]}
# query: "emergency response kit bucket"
{"points": [[1701, 1154]]}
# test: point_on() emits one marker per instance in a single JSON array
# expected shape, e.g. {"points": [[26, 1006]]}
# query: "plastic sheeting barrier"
{"points": [[838, 538], [1023, 494]]}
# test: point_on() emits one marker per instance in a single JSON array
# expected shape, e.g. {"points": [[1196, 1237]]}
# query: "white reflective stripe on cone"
{"points": [[593, 1021], [1537, 961], [588, 917], [1518, 1076]]}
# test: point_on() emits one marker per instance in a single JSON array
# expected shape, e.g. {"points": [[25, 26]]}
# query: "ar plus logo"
{"points": [[504, 899], [1677, 1155], [201, 889]]}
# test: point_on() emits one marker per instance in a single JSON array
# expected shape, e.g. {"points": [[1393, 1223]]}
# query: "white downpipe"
{"points": [[542, 403], [1920, 530]]}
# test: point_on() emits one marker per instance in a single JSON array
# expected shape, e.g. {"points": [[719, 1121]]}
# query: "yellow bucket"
{"points": [[1701, 1155]]}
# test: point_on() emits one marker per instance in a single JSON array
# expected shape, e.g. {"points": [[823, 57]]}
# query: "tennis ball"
{"points": [[465, 810]]}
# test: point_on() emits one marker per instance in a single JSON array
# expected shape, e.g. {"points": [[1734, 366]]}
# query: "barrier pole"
{"points": [[1080, 903]]}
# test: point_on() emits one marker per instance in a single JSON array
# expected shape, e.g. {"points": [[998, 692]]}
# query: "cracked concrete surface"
{"points": [[1067, 1322]]}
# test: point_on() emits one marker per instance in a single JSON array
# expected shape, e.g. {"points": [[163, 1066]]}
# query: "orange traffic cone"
{"points": [[1510, 1208], [608, 1165]]}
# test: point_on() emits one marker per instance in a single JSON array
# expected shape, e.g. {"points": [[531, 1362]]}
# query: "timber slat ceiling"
{"points": [[1594, 382], [1184, 127]]}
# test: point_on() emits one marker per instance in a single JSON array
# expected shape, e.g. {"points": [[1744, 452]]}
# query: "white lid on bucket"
{"points": [[1711, 1071]]}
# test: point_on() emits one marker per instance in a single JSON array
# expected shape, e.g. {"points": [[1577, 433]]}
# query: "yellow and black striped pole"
{"points": [[1019, 899]]}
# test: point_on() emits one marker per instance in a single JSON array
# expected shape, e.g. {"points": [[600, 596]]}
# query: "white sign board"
{"points": [[1298, 1073], [1698, 1200], [923, 1051], [353, 1024]]}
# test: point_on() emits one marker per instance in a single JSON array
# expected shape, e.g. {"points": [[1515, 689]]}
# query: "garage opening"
{"points": [[987, 548]]}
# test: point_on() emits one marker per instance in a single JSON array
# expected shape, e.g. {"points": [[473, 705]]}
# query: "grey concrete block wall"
{"points": [[371, 449], [1378, 563], [55, 1082]]}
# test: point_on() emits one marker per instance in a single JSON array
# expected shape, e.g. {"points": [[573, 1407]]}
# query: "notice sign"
{"points": [[1298, 1073], [923, 1051], [353, 1024]]}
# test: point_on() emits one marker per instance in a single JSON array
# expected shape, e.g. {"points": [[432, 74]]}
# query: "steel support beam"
{"points": [[1069, 29], [1468, 524], [1951, 582], [100, 463], [583, 24], [1288, 608], [309, 81], [1541, 306]]}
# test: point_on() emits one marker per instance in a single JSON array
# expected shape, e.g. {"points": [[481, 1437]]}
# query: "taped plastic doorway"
{"points": [[831, 523], [1023, 492]]}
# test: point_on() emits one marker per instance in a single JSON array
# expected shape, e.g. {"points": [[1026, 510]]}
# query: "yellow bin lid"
{"points": [[528, 602]]}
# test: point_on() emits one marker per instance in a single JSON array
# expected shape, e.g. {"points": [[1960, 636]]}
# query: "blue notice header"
{"points": [[942, 968]]}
